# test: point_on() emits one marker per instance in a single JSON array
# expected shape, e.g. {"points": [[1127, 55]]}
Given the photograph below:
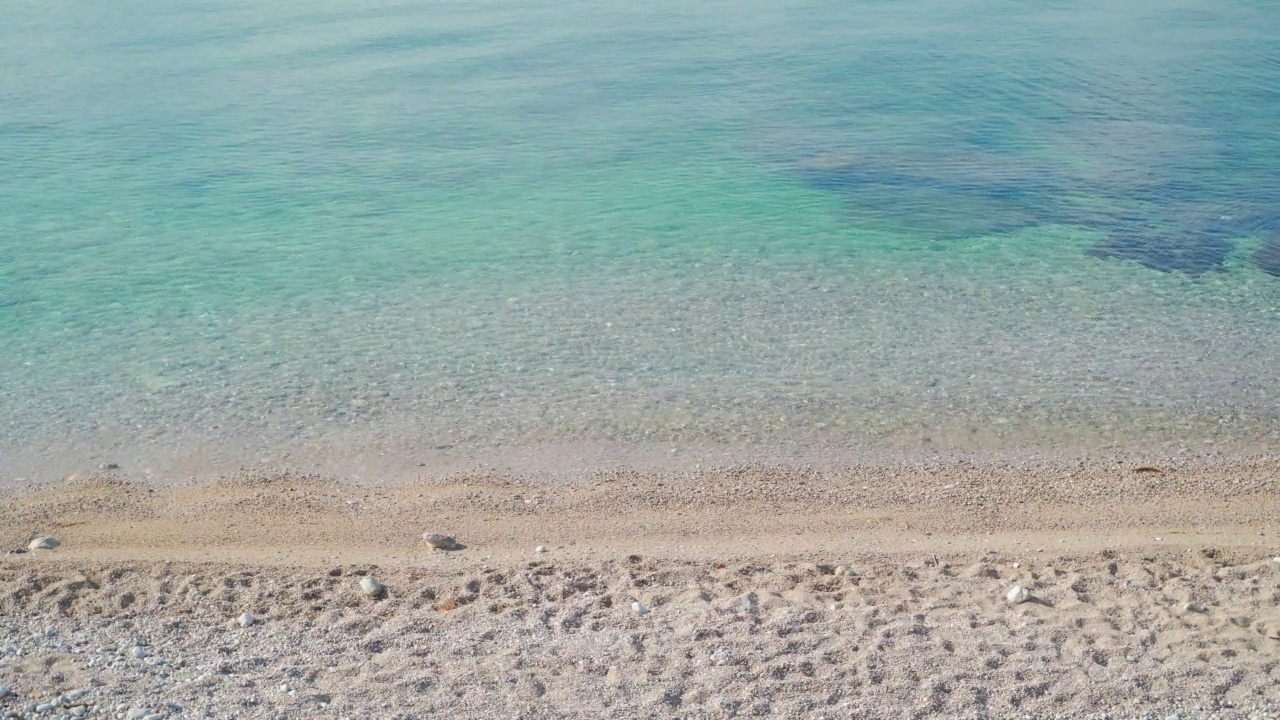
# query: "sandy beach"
{"points": [[753, 590]]}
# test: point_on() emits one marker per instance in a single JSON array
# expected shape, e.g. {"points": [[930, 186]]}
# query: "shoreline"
{"points": [[771, 591], [369, 460]]}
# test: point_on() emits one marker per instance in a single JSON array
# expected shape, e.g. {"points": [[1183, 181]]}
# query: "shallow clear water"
{"points": [[233, 232]]}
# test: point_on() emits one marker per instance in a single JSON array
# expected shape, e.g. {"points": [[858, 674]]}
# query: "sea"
{"points": [[377, 238]]}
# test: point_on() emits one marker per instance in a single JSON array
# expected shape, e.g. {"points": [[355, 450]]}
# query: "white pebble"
{"points": [[372, 587], [4, 690], [284, 688], [540, 549], [1193, 607], [79, 710], [842, 571], [1018, 594], [139, 652], [43, 543], [138, 713], [438, 541], [640, 608], [245, 620], [45, 707]]}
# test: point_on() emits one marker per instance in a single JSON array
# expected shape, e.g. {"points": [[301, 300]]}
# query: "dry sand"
{"points": [[773, 591]]}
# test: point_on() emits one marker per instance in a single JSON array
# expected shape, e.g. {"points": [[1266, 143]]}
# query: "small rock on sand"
{"points": [[139, 652], [43, 543], [1018, 594], [640, 608], [1193, 607], [439, 542], [245, 620], [540, 549], [372, 587]]}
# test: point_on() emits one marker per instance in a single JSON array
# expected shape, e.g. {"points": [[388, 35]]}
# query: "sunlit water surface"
{"points": [[377, 235]]}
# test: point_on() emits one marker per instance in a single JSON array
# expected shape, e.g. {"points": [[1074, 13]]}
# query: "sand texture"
{"points": [[771, 591]]}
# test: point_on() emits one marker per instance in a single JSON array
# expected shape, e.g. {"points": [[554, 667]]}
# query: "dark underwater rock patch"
{"points": [[1267, 257], [1154, 216], [1193, 255]]}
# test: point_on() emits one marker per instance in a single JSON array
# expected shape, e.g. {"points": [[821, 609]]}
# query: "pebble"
{"points": [[640, 608], [372, 587], [45, 707], [138, 651], [4, 690], [439, 542], [79, 710], [842, 571], [540, 549], [1193, 607], [139, 713], [43, 543], [1018, 594], [245, 620]]}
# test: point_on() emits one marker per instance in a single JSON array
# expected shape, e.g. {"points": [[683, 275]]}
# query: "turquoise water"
{"points": [[236, 233]]}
